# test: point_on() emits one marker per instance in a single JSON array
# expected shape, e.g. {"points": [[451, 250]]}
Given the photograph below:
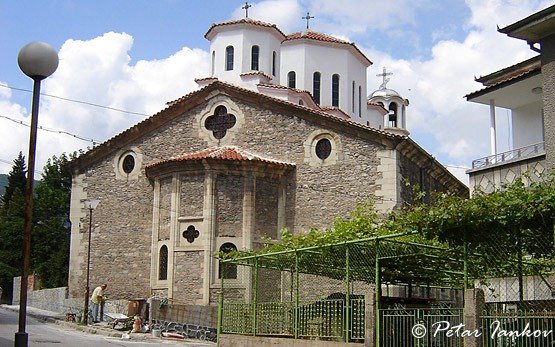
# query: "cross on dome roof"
{"points": [[308, 17], [384, 74], [246, 8]]}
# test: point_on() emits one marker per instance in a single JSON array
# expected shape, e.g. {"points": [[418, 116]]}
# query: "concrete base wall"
{"points": [[259, 341], [57, 300]]}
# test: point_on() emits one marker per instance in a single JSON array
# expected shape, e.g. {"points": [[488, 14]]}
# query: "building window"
{"points": [[291, 79], [335, 90], [212, 65], [220, 122], [128, 164], [255, 53], [227, 270], [316, 78], [323, 148], [191, 233], [274, 63], [353, 98], [229, 58], [360, 101], [163, 263], [393, 115]]}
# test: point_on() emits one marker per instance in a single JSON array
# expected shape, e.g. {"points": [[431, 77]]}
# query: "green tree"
{"points": [[51, 234], [16, 181], [11, 226]]}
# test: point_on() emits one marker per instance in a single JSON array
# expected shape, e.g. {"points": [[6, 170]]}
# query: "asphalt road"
{"points": [[43, 335]]}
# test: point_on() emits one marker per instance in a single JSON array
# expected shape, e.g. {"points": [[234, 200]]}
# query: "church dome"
{"points": [[384, 93]]}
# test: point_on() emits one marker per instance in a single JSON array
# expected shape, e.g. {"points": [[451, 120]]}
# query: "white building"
{"points": [[307, 68]]}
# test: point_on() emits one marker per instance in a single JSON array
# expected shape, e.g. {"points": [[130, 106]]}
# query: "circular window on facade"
{"points": [[323, 148], [128, 163]]}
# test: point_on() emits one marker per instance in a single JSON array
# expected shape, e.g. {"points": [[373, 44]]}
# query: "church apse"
{"points": [[215, 197]]}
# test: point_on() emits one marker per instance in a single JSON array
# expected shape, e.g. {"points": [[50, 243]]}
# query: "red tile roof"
{"points": [[313, 35], [511, 72], [255, 73], [279, 86], [507, 76], [249, 21], [230, 153], [316, 36]]}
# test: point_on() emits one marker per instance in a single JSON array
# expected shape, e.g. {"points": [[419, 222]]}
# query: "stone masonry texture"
{"points": [[313, 197]]}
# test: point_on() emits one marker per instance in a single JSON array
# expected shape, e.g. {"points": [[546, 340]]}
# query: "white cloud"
{"points": [[285, 14], [438, 112], [99, 71], [357, 16]]}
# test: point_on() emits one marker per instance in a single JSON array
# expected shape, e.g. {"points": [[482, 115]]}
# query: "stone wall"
{"points": [[188, 282], [191, 196], [266, 208], [492, 178], [548, 88], [415, 175], [193, 321], [57, 300], [229, 206], [316, 192]]}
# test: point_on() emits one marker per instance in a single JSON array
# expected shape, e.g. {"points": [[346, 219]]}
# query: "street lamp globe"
{"points": [[37, 60]]}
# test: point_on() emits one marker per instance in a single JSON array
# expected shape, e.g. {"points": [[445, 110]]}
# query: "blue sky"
{"points": [[135, 55]]}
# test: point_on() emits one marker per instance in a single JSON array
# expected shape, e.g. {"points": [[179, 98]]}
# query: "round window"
{"points": [[128, 164], [323, 148]]}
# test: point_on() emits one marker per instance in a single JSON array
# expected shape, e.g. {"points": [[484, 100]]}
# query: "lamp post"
{"points": [[37, 60], [90, 205]]}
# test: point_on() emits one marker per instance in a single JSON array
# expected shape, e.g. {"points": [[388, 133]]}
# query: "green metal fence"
{"points": [[398, 327], [324, 292]]}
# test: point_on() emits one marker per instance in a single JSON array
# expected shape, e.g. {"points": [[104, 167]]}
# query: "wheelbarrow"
{"points": [[120, 319]]}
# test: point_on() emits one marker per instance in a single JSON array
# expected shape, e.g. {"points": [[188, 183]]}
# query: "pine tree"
{"points": [[16, 181], [11, 226], [51, 234]]}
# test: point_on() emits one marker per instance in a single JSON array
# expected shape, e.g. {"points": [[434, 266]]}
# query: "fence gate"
{"points": [[414, 327]]}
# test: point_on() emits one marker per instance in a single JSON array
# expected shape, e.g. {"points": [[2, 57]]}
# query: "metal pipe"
{"points": [[254, 297], [220, 307], [21, 337], [86, 309], [296, 333], [347, 297], [377, 293]]}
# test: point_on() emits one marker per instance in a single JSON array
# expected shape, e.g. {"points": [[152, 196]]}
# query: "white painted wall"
{"points": [[527, 125], [306, 58], [242, 39]]}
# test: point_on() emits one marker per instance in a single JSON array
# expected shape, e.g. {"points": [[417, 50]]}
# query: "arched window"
{"points": [[227, 270], [274, 63], [255, 53], [291, 79], [393, 115], [335, 90], [353, 98], [316, 78], [229, 58], [163, 263], [213, 63]]}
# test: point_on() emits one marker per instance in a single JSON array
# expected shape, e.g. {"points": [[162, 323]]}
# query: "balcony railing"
{"points": [[519, 153]]}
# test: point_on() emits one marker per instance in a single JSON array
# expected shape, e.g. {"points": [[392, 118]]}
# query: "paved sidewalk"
{"points": [[102, 328]]}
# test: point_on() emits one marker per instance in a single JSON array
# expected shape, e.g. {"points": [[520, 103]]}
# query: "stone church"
{"points": [[281, 135]]}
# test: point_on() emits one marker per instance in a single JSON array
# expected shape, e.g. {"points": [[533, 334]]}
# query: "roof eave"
{"points": [[534, 27]]}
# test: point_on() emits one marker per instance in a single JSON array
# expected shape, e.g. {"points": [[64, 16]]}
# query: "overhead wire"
{"points": [[94, 141], [40, 127], [77, 101]]}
